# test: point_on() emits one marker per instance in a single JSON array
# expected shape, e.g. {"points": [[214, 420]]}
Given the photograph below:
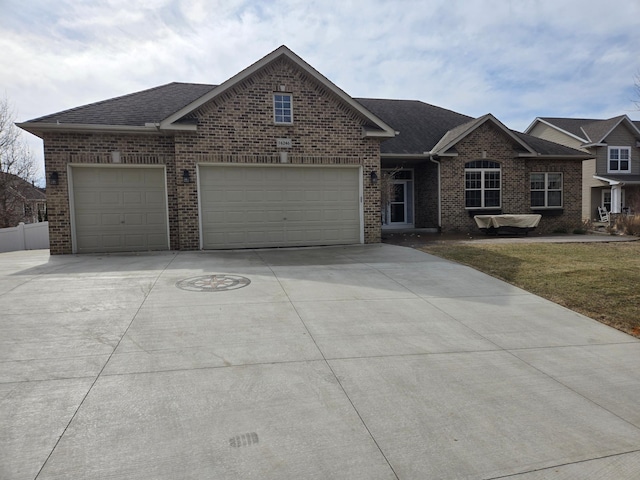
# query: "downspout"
{"points": [[435, 159]]}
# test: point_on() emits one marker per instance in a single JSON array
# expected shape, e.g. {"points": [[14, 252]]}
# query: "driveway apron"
{"points": [[355, 362]]}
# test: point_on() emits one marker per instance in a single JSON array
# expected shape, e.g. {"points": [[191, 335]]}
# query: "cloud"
{"points": [[514, 58]]}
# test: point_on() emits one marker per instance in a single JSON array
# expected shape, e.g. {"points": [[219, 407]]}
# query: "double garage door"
{"points": [[120, 209], [275, 206]]}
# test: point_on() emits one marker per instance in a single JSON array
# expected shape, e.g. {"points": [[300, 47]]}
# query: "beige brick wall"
{"points": [[62, 149], [490, 143], [237, 127]]}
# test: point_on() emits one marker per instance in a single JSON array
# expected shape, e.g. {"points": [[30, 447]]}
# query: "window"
{"points": [[282, 108], [546, 190], [619, 160], [482, 184]]}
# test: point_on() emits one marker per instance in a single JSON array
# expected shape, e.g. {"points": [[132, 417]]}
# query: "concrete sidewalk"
{"points": [[358, 362]]}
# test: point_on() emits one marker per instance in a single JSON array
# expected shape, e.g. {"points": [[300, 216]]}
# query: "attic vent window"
{"points": [[283, 108]]}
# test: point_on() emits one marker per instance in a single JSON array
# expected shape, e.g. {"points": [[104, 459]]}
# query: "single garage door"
{"points": [[274, 206], [119, 209]]}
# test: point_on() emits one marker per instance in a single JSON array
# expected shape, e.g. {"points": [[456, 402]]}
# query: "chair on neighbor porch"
{"points": [[604, 215]]}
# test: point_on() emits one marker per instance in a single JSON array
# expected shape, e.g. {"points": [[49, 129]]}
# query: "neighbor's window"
{"points": [[619, 160], [546, 190], [482, 184], [282, 108]]}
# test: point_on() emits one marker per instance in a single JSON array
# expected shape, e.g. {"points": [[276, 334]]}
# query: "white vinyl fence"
{"points": [[31, 236]]}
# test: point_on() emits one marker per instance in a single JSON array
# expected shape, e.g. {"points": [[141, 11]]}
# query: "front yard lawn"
{"points": [[599, 280]]}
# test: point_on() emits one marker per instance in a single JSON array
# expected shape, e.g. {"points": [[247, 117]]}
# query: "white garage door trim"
{"points": [[360, 209], [71, 196]]}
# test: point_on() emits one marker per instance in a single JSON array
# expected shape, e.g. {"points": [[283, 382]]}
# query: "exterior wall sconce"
{"points": [[186, 176], [374, 177], [53, 178]]}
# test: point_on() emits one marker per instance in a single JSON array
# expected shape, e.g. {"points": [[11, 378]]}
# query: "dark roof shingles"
{"points": [[420, 124], [136, 109]]}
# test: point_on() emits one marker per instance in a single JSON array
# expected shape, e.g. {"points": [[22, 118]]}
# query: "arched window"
{"points": [[482, 184]]}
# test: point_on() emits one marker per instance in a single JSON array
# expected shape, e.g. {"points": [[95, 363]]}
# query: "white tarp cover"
{"points": [[514, 221]]}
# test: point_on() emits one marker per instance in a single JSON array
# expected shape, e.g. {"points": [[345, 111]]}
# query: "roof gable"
{"points": [[455, 135], [589, 131], [377, 126], [172, 106], [601, 130]]}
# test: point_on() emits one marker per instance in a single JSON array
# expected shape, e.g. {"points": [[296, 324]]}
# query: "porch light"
{"points": [[53, 178], [186, 176], [374, 177]]}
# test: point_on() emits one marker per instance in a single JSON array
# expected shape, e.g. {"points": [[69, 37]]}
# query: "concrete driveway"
{"points": [[359, 362]]}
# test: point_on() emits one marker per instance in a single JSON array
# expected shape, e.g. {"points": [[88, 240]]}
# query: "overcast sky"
{"points": [[516, 59]]}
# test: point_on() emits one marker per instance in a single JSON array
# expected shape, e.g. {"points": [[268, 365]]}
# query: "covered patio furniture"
{"points": [[510, 224]]}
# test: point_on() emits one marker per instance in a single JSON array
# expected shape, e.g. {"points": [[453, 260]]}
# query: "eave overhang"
{"points": [[149, 129], [634, 180], [405, 156]]}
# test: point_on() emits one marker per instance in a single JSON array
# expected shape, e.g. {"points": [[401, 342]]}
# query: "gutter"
{"points": [[150, 128]]}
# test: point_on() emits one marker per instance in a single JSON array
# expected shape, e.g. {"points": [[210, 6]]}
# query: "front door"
{"points": [[397, 209], [398, 203]]}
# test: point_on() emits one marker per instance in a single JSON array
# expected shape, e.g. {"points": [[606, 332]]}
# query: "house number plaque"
{"points": [[283, 143]]}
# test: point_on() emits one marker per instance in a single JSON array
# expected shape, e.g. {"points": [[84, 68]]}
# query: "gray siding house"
{"points": [[611, 179]]}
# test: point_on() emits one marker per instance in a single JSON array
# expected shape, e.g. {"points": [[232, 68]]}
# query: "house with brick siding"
{"points": [[278, 156], [611, 178]]}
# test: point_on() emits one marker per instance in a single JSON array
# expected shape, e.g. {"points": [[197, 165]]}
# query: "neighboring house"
{"points": [[612, 178], [280, 156], [20, 201]]}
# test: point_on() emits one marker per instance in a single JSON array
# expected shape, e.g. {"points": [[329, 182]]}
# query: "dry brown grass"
{"points": [[599, 280]]}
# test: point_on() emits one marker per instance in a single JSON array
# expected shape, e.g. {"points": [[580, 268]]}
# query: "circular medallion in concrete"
{"points": [[213, 283]]}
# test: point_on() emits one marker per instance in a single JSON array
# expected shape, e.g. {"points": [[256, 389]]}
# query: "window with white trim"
{"points": [[619, 160], [546, 190], [482, 184], [282, 108]]}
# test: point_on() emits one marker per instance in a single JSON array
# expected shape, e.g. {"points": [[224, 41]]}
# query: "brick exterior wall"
{"points": [[236, 127], [62, 149], [426, 195], [488, 142]]}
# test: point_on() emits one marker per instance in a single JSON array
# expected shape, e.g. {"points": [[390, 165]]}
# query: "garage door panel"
{"points": [[132, 198], [111, 241], [272, 195], [112, 198], [108, 220], [137, 240], [156, 219], [134, 219], [119, 209], [296, 206], [86, 220]]}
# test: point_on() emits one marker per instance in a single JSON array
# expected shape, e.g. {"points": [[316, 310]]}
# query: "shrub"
{"points": [[628, 225]]}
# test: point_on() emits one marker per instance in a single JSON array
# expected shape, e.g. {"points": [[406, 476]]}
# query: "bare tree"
{"points": [[17, 167], [637, 88]]}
